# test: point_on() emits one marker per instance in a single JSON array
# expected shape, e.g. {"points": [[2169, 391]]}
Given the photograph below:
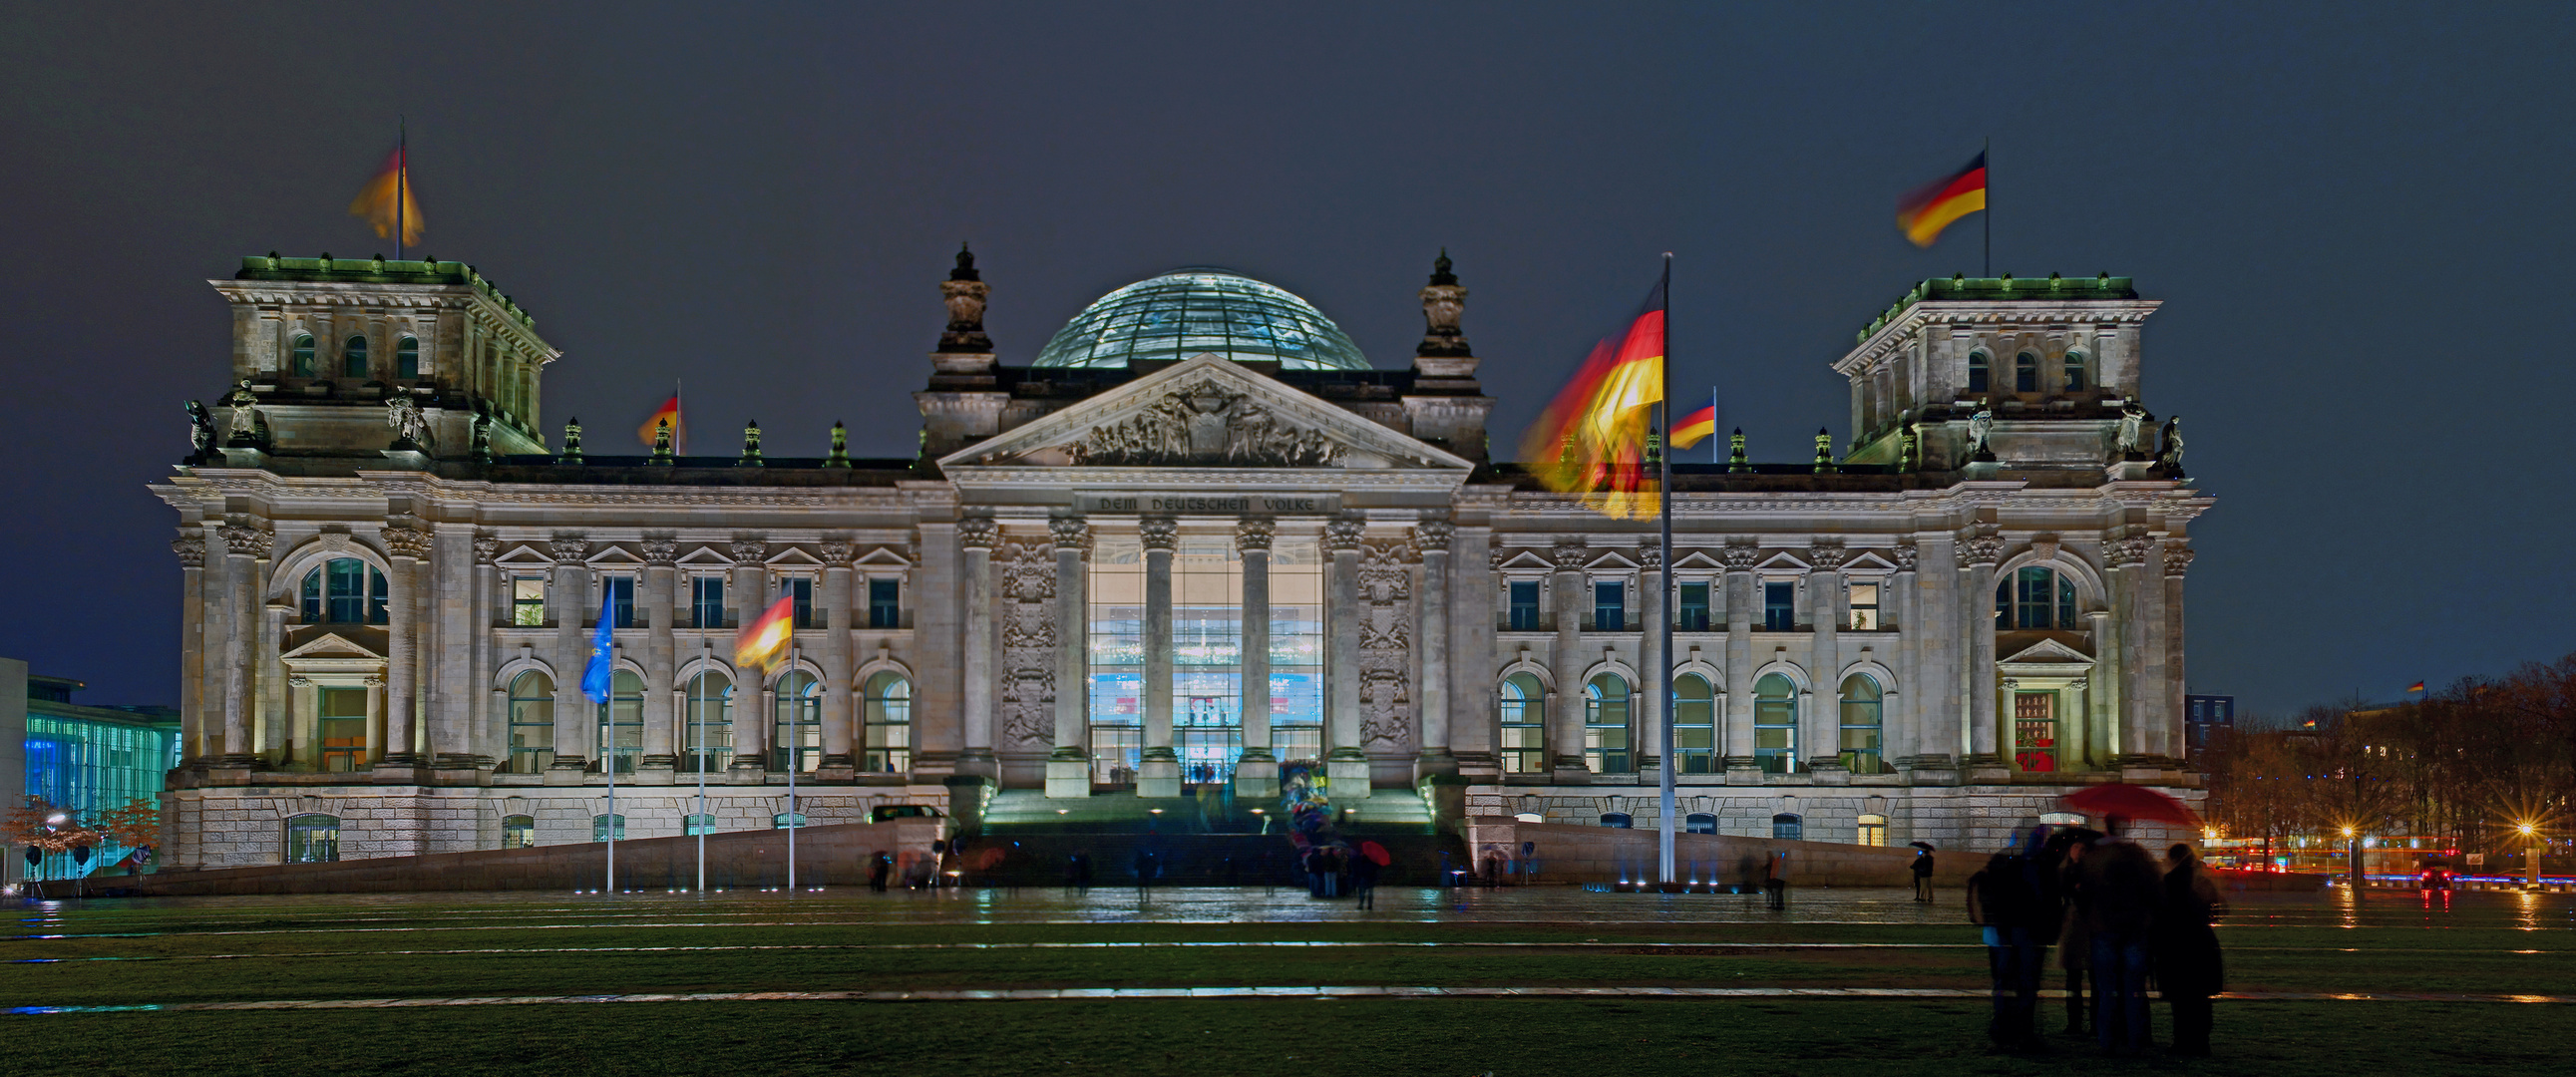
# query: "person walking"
{"points": [[1364, 880], [1775, 880], [1922, 868], [2074, 941], [879, 867], [2188, 965], [2120, 892], [2013, 900]]}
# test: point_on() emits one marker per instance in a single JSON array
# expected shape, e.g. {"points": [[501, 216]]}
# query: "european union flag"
{"points": [[594, 679]]}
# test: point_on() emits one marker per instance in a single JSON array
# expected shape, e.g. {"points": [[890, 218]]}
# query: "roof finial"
{"points": [[1443, 301], [965, 264], [964, 292]]}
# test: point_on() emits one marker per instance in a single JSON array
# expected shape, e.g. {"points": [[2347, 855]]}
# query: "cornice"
{"points": [[2039, 312]]}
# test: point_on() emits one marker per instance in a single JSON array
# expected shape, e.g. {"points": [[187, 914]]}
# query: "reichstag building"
{"points": [[1195, 539]]}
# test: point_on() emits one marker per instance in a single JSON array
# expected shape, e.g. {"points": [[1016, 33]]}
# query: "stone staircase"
{"points": [[1209, 840]]}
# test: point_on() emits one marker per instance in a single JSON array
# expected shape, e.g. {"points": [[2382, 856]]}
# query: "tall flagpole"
{"points": [[1988, 153], [698, 737], [608, 762], [1664, 672], [402, 179], [795, 748]]}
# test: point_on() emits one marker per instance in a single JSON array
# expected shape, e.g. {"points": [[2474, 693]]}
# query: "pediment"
{"points": [[1526, 561], [706, 557], [1698, 561], [340, 641], [2047, 652], [525, 556], [1868, 561], [1205, 412], [884, 556], [1611, 561], [793, 557], [614, 556], [1782, 562]]}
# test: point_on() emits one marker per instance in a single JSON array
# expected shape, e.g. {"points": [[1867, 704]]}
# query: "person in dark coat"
{"points": [[2014, 899], [879, 867], [2074, 941], [1364, 880], [1922, 868], [2188, 966], [2120, 890]]}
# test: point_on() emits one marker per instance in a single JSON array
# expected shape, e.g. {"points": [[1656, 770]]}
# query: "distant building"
{"points": [[83, 758], [2206, 721], [1194, 539]]}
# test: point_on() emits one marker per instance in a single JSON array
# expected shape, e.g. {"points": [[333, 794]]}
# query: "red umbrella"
{"points": [[2131, 802], [1376, 852]]}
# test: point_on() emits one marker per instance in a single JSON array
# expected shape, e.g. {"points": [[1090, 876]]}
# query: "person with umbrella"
{"points": [[1922, 868], [1364, 870], [2188, 967], [2121, 891]]}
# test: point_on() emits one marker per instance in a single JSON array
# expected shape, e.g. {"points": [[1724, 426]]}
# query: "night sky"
{"points": [[2358, 218]]}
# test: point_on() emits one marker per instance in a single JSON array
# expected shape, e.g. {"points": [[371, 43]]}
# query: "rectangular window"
{"points": [[1609, 607], [1521, 712], [802, 589], [1524, 606], [1605, 727], [1296, 650], [343, 729], [1864, 605], [620, 593], [1117, 659], [706, 602], [1779, 607], [2035, 731], [2034, 589], [528, 601], [1694, 726], [346, 587], [1694, 611], [885, 609]]}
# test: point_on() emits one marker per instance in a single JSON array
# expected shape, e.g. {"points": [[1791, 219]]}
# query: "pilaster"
{"points": [[1345, 760], [1158, 768], [976, 536], [1566, 660], [1431, 539], [1256, 773], [1068, 769]]}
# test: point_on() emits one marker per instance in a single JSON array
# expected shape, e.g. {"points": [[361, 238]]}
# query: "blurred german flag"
{"points": [[1591, 440]]}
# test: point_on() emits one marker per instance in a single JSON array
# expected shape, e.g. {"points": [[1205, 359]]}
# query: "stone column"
{"points": [[190, 545], [567, 601], [376, 739], [491, 703], [660, 599], [1902, 711], [2128, 559], [1822, 737], [246, 545], [269, 723], [1985, 763], [976, 535], [746, 595], [449, 601], [1345, 760], [1158, 770], [1256, 774], [1069, 765], [1472, 699], [2169, 722], [1565, 662], [749, 588], [1431, 537], [840, 710], [2100, 693], [1654, 667], [408, 543], [1941, 737], [1741, 766], [304, 725]]}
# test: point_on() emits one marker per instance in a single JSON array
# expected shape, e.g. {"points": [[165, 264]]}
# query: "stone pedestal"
{"points": [[1743, 770], [565, 771], [1348, 769], [1158, 772], [1256, 776], [1987, 770], [1068, 775]]}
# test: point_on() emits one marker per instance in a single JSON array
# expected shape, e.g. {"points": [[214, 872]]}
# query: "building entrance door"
{"points": [[1209, 735]]}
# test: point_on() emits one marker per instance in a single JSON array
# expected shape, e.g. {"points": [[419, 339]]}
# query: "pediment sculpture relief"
{"points": [[1205, 425]]}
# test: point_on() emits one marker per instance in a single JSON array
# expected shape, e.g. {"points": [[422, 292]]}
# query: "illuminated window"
{"points": [[1977, 377], [313, 839], [353, 358], [887, 713], [2035, 731], [300, 361], [528, 601], [697, 824], [341, 725], [1522, 712], [599, 825], [532, 724], [1873, 830], [518, 832], [1694, 725], [799, 723], [1787, 827], [1775, 724], [1117, 659], [622, 728], [2025, 373], [2074, 366], [707, 741], [1605, 725], [407, 359], [343, 590], [2036, 597], [1863, 605], [1863, 727]]}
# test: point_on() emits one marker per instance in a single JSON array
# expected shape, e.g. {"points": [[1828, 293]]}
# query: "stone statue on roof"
{"points": [[964, 292], [1443, 302], [2133, 430], [245, 405], [1981, 426], [2170, 456], [411, 428], [201, 428]]}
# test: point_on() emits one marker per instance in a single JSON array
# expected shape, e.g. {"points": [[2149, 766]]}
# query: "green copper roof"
{"points": [[329, 270], [2003, 289], [1187, 312]]}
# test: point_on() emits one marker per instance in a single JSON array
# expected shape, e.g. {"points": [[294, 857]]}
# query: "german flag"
{"points": [[1695, 427], [386, 201], [1591, 439], [1928, 209], [668, 414], [762, 644]]}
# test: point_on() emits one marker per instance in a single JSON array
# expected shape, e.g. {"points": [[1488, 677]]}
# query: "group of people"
{"points": [[2117, 920], [1333, 869]]}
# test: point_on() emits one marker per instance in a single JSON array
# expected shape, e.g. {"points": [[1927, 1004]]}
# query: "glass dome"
{"points": [[1190, 311]]}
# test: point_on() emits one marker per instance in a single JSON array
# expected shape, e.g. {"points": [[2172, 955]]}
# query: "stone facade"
{"points": [[1978, 607]]}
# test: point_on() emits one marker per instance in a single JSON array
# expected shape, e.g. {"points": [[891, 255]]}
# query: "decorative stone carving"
{"points": [[487, 549], [2170, 456], [2178, 555], [1386, 644], [1981, 426], [201, 430], [964, 292], [2132, 443], [1495, 558], [1740, 555], [1253, 533], [1570, 555], [1443, 301], [838, 553], [1434, 534], [245, 413], [1158, 532], [1907, 556], [1070, 533], [2128, 551], [1344, 533], [191, 548], [1025, 591], [1827, 556], [1650, 556], [406, 538], [411, 428], [2044, 547], [748, 550], [568, 548], [333, 541], [1982, 546], [978, 533], [661, 551], [243, 537], [1203, 424]]}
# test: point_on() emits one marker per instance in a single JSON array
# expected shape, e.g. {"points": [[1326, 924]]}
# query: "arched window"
{"points": [[518, 832], [1694, 725], [2036, 596], [1522, 710], [2074, 366], [2025, 373], [1873, 830], [1863, 739], [1618, 820], [353, 358], [343, 591], [621, 730], [1605, 725], [706, 741], [407, 359], [599, 827], [1977, 376], [1787, 827], [313, 839], [300, 357], [532, 723], [1699, 823], [1775, 724], [799, 723], [886, 712]]}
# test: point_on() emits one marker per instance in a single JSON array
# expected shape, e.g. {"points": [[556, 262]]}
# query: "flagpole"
{"points": [[795, 748], [697, 734], [608, 711], [402, 179], [1988, 153], [1664, 671]]}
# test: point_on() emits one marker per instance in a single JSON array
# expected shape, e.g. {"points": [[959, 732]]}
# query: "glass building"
{"points": [[1189, 312], [89, 760]]}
